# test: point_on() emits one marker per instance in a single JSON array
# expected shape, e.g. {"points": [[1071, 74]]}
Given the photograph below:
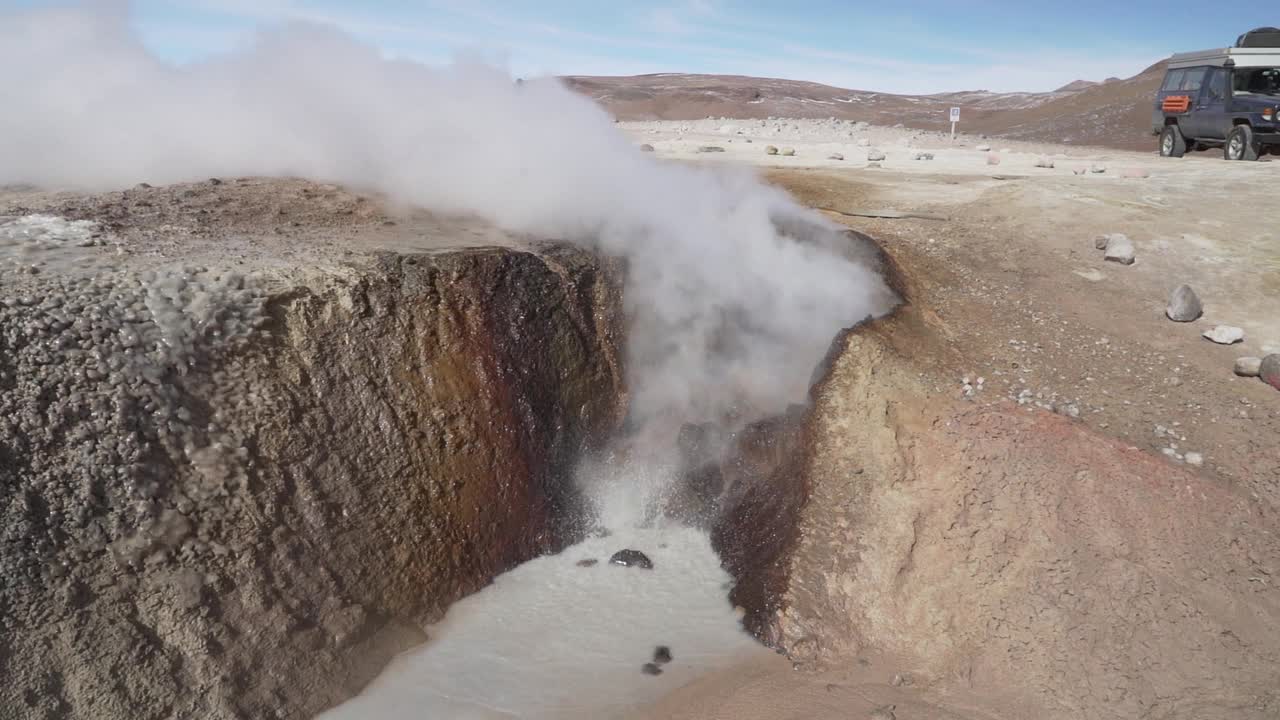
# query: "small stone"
{"points": [[588, 562], [770, 150], [646, 148], [629, 558], [1045, 163], [1269, 370], [1248, 366], [1079, 170], [712, 149], [661, 655], [1225, 334], [901, 679], [984, 148], [650, 669], [1194, 459], [215, 181], [1097, 169], [875, 155], [1184, 305], [1119, 250], [835, 156], [788, 152], [884, 712], [1101, 241], [922, 156]]}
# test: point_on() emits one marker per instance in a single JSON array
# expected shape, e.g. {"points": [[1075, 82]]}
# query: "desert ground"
{"points": [[1025, 493], [1026, 318]]}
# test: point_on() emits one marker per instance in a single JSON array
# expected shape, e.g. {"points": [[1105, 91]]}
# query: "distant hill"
{"points": [[1112, 113]]}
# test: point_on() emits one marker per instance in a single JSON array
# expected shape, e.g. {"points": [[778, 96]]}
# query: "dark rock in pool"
{"points": [[661, 655], [631, 558], [650, 669], [587, 562]]}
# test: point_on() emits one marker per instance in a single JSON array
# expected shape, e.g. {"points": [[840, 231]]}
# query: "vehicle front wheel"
{"points": [[1172, 144], [1240, 144]]}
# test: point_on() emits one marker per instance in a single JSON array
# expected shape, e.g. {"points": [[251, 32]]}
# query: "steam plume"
{"points": [[728, 312]]}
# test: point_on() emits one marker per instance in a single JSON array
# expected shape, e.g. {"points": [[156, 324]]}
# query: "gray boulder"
{"points": [[1248, 366], [1269, 370], [875, 155], [770, 150], [1184, 305]]}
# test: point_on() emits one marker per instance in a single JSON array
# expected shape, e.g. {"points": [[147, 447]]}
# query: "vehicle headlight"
{"points": [[1269, 114]]}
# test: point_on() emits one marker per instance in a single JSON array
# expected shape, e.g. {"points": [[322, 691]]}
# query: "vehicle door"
{"points": [[1168, 98], [1190, 89], [1209, 118]]}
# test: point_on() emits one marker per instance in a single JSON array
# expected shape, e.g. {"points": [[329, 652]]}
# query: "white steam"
{"points": [[729, 316]]}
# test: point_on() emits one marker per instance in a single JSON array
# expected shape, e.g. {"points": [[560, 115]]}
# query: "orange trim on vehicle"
{"points": [[1176, 104]]}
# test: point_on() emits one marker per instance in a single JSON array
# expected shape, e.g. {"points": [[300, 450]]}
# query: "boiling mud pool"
{"points": [[551, 639]]}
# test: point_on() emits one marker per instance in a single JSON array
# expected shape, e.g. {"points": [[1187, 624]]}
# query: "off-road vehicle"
{"points": [[1227, 98]]}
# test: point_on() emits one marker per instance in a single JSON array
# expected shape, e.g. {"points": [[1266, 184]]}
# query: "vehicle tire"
{"points": [[1240, 144], [1172, 144]]}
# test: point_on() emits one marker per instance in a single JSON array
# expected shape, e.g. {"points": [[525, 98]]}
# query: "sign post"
{"points": [[955, 118]]}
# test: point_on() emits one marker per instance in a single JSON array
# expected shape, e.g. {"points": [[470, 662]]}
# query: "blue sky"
{"points": [[904, 46]]}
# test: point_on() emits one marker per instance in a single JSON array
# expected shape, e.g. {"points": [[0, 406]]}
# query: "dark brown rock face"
{"points": [[402, 433]]}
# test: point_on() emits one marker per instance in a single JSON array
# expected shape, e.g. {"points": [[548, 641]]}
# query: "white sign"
{"points": [[955, 114]]}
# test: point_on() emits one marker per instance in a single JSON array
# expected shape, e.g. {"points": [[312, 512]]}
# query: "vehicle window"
{"points": [[1217, 83], [1193, 79], [1262, 80], [1174, 79]]}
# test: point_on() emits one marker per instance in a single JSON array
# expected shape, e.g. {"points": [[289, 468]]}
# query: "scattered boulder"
{"points": [[922, 156], [1100, 242], [788, 152], [631, 558], [646, 148], [1269, 370], [1184, 305], [984, 148], [993, 159], [1194, 459], [215, 181], [1097, 169], [650, 669], [588, 562], [835, 156], [875, 156], [710, 149], [1248, 366], [770, 150], [1045, 163], [1119, 250], [1225, 334], [661, 655], [864, 142]]}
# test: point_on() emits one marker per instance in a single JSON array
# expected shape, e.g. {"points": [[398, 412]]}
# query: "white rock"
{"points": [[1194, 459], [983, 148], [1044, 162], [1225, 334], [875, 156], [922, 156], [1119, 250]]}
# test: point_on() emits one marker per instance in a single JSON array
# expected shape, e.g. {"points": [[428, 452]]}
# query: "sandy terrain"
{"points": [[1082, 376]]}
